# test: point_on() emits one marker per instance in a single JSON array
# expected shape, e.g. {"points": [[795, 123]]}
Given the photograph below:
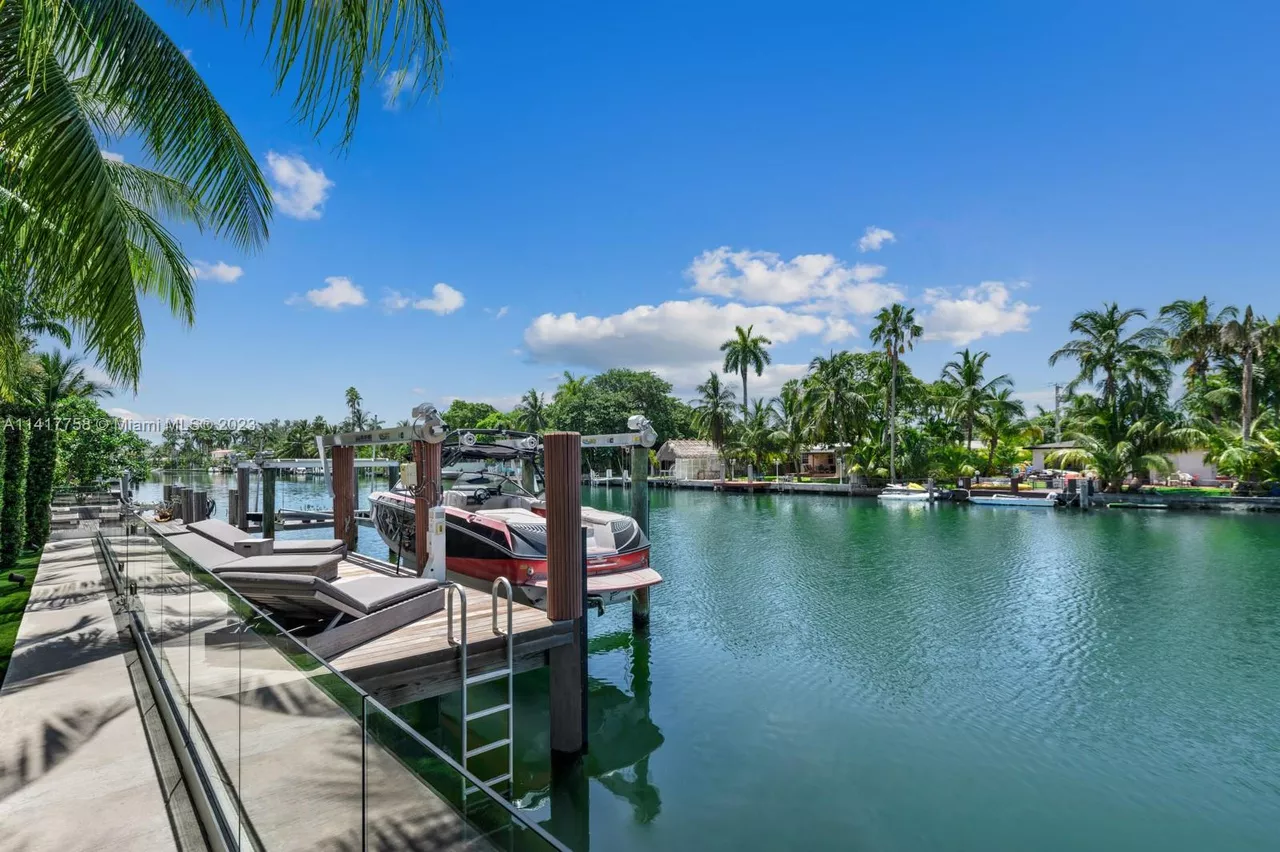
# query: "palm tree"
{"points": [[571, 386], [58, 377], [745, 352], [531, 413], [792, 418], [1114, 451], [1102, 347], [23, 316], [1195, 334], [76, 74], [1248, 337], [1001, 418], [837, 397], [969, 387], [896, 330], [757, 434], [355, 414], [713, 411]]}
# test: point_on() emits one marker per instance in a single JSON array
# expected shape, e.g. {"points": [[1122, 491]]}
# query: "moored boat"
{"points": [[496, 526], [911, 491], [1048, 500]]}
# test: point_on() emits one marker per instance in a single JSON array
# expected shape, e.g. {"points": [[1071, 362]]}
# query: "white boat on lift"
{"points": [[912, 492], [1049, 500]]}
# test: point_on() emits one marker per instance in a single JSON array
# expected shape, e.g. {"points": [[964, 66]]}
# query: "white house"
{"points": [[1189, 463], [685, 459]]}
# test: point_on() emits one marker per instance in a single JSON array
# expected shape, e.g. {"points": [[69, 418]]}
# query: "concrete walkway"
{"points": [[76, 767]]}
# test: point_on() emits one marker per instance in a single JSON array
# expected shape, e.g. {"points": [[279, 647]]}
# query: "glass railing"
{"points": [[293, 753]]}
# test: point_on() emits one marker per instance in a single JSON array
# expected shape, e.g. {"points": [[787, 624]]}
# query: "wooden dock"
{"points": [[417, 661]]}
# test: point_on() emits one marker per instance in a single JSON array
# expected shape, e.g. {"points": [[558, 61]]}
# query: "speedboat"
{"points": [[496, 524], [913, 491], [1045, 501]]}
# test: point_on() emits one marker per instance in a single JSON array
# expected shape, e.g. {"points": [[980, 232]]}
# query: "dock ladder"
{"points": [[468, 680]]}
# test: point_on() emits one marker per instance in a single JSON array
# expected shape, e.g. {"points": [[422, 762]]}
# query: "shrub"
{"points": [[13, 513], [42, 448]]}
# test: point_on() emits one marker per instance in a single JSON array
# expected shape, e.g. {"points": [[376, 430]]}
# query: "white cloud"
{"points": [[874, 238], [838, 329], [113, 156], [679, 340], [186, 51], [983, 311], [299, 190], [221, 271], [764, 277], [393, 85], [502, 312], [124, 414], [338, 293], [443, 300]]}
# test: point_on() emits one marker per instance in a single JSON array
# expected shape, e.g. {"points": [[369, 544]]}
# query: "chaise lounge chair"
{"points": [[226, 535], [349, 611], [216, 559]]}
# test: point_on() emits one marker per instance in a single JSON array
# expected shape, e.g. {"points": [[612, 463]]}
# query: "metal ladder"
{"points": [[468, 681]]}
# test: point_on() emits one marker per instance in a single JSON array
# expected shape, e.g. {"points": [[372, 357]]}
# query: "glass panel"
{"points": [[301, 778], [416, 796], [214, 678]]}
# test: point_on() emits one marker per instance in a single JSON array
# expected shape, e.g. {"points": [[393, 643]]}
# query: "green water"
{"points": [[828, 673]]}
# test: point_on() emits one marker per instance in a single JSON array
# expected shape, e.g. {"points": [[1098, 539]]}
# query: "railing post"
{"points": [[566, 591], [426, 462], [640, 512], [268, 502], [344, 495]]}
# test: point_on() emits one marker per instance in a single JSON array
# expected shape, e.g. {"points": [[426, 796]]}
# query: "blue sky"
{"points": [[603, 184]]}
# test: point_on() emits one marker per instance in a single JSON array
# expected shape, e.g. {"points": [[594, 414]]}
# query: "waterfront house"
{"points": [[679, 458], [1188, 465]]}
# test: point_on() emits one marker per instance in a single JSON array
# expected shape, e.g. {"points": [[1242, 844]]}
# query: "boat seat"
{"points": [[456, 499]]}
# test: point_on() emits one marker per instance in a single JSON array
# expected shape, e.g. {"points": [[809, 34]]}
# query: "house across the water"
{"points": [[1190, 464], [686, 459]]}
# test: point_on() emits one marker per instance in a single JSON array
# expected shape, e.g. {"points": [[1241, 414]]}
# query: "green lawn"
{"points": [[13, 600]]}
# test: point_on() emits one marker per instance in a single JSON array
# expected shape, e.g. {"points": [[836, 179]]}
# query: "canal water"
{"points": [[831, 673]]}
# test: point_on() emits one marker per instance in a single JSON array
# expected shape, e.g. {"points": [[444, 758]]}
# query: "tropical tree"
{"points": [[1107, 356], [896, 330], [571, 385], [531, 413], [1195, 335], [838, 390], [746, 352], [713, 411], [1248, 337], [968, 387], [757, 435], [355, 414], [792, 418], [1002, 418], [85, 230]]}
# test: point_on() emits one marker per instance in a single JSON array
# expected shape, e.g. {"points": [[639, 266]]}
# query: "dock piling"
{"points": [[241, 518], [268, 502], [566, 591], [640, 512], [344, 495], [199, 505], [233, 505], [427, 465]]}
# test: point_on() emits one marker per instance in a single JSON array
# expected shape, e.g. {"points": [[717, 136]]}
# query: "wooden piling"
{"points": [[426, 462], [566, 590], [640, 512], [241, 518], [344, 495], [199, 505], [233, 505], [268, 502]]}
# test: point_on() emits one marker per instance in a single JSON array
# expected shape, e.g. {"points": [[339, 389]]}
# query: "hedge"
{"points": [[13, 513], [42, 450]]}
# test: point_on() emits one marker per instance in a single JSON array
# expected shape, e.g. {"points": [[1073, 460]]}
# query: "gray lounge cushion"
{"points": [[309, 545], [299, 594], [205, 553], [227, 535], [218, 531], [319, 565]]}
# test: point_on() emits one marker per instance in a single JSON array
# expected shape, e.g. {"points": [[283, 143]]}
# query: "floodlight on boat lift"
{"points": [[429, 422]]}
